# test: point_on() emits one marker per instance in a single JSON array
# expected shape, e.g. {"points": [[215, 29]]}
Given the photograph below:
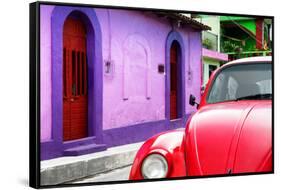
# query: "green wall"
{"points": [[249, 24], [237, 18], [246, 22]]}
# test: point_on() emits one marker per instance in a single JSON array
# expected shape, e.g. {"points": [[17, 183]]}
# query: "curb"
{"points": [[65, 169]]}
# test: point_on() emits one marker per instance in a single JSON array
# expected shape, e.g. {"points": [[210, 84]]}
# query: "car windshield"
{"points": [[242, 82]]}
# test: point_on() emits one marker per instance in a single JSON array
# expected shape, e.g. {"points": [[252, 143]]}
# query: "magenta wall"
{"points": [[134, 42]]}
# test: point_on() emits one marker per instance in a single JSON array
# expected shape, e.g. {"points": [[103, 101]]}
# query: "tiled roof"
{"points": [[183, 19]]}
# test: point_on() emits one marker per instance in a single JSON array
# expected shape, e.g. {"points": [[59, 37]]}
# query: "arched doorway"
{"points": [[94, 122], [75, 99], [174, 80]]}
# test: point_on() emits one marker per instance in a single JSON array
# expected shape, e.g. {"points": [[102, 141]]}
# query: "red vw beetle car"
{"points": [[230, 133]]}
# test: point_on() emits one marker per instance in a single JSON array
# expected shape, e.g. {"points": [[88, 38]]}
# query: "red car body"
{"points": [[230, 137]]}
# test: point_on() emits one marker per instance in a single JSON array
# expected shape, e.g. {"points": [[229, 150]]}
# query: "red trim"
{"points": [[259, 33]]}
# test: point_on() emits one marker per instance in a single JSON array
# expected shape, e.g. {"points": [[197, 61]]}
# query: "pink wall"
{"points": [[45, 71], [134, 92], [214, 54], [194, 56]]}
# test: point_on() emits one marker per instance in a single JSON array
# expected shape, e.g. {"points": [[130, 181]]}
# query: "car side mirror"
{"points": [[192, 101], [202, 89]]}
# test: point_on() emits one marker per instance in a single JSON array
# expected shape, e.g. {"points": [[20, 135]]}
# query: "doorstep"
{"points": [[69, 168]]}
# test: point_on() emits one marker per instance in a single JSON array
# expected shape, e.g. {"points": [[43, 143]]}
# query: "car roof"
{"points": [[251, 59]]}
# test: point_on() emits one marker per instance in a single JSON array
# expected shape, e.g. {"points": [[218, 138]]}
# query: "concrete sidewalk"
{"points": [[71, 168], [120, 174]]}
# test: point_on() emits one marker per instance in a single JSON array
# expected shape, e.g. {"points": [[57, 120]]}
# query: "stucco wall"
{"points": [[214, 23], [134, 42], [135, 88], [194, 56], [45, 72]]}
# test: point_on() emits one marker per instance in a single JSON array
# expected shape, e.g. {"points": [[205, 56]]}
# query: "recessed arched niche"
{"points": [[136, 68]]}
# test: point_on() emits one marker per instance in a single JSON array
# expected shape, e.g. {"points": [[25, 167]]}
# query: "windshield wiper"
{"points": [[256, 97]]}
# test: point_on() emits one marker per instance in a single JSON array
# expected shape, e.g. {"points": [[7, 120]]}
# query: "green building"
{"points": [[212, 57], [233, 37], [245, 36]]}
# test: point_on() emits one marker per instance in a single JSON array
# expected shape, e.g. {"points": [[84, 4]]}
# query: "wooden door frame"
{"points": [[95, 77], [175, 36]]}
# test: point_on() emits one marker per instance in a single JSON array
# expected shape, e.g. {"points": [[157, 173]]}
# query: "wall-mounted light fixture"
{"points": [[179, 23], [161, 69], [109, 67]]}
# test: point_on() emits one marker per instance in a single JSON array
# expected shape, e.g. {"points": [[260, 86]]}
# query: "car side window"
{"points": [[242, 81]]}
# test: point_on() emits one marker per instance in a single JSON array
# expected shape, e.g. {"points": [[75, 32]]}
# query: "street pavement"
{"points": [[103, 166], [119, 174]]}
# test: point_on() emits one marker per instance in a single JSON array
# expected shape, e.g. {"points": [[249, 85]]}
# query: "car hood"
{"points": [[214, 133]]}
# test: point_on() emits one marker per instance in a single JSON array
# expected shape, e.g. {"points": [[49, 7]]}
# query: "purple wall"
{"points": [[45, 72], [133, 91]]}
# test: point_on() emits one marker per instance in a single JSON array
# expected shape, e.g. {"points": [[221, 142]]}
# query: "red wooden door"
{"points": [[75, 100], [173, 82]]}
